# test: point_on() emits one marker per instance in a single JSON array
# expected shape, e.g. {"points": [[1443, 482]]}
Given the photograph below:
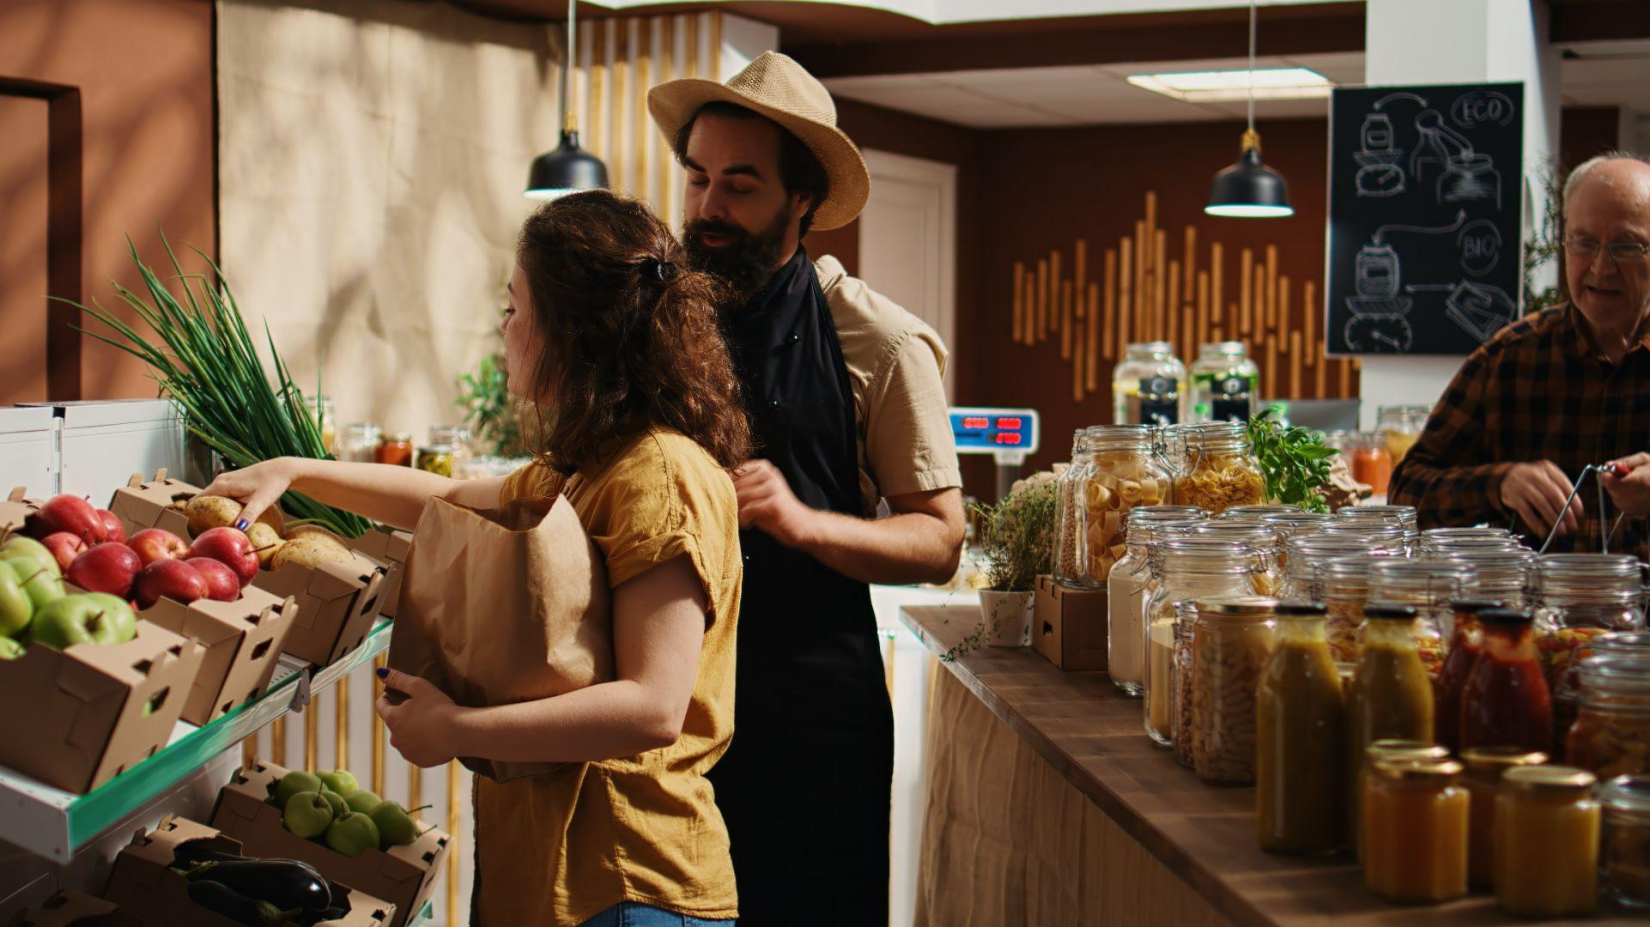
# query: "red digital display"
{"points": [[1009, 424], [976, 422], [1007, 439]]}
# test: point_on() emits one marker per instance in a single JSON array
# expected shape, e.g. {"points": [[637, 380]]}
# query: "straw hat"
{"points": [[780, 89]]}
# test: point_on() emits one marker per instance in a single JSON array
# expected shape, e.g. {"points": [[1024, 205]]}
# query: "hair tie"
{"points": [[664, 270]]}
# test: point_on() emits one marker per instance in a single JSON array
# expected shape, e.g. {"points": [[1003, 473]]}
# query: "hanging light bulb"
{"points": [[1249, 189], [569, 168]]}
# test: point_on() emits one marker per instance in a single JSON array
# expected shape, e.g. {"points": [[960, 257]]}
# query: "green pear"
{"points": [[353, 835], [339, 780], [10, 649], [292, 783], [118, 615], [71, 620], [20, 547], [41, 584], [16, 610], [307, 815], [339, 809], [396, 827], [362, 801]]}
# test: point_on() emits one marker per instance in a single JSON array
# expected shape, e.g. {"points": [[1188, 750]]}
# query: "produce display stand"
{"points": [[56, 824]]}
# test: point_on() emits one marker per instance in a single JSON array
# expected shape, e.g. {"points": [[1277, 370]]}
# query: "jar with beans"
{"points": [[1233, 637], [1068, 550]]}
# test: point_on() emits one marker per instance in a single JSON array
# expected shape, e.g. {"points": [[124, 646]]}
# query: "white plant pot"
{"points": [[1007, 617]]}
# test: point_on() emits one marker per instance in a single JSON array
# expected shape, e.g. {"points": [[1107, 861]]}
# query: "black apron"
{"points": [[806, 783]]}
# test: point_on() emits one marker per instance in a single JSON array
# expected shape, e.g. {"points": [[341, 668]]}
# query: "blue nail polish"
{"points": [[383, 672], [243, 524]]}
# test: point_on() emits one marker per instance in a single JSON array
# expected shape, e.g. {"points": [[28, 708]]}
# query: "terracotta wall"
{"points": [[115, 96]]}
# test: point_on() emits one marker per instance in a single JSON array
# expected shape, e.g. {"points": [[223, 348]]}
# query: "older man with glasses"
{"points": [[1556, 391]]}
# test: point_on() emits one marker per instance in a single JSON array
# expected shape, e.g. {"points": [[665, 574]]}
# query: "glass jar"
{"points": [[1405, 516], [1221, 470], [1431, 586], [1505, 701], [1148, 387], [1415, 815], [1371, 464], [1466, 643], [1390, 696], [1068, 528], [1128, 473], [1189, 568], [1300, 792], [1401, 426], [1261, 537], [1546, 852], [1579, 598], [325, 411], [1370, 532], [436, 458], [457, 440], [1225, 383], [1259, 513], [1126, 599], [395, 449], [1626, 850], [1293, 525], [1356, 781], [1483, 780], [1495, 575], [1611, 736], [1232, 641], [360, 442], [1180, 684], [1343, 586]]}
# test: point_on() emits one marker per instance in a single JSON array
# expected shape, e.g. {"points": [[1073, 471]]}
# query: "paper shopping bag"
{"points": [[503, 605]]}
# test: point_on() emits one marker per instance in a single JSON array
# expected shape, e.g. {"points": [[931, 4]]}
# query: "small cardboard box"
{"points": [[1068, 626], [390, 548], [69, 908], [92, 711], [242, 641], [404, 876], [144, 885], [338, 603]]}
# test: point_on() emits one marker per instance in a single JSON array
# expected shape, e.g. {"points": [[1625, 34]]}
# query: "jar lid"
{"points": [[1371, 529], [1229, 348], [1548, 777], [1616, 671], [1622, 642], [436, 449], [1490, 758], [1627, 793], [1241, 511], [1398, 512], [1417, 769], [400, 437], [1202, 553], [1298, 608], [1504, 617], [1150, 347], [1457, 532], [1475, 606], [1190, 514], [1120, 437], [1559, 566], [1389, 611], [1391, 748], [1235, 606], [1249, 533], [362, 426]]}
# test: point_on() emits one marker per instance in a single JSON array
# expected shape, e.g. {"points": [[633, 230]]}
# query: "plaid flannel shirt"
{"points": [[1540, 389]]}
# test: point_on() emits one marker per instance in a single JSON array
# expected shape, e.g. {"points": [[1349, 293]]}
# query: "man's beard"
{"points": [[742, 265]]}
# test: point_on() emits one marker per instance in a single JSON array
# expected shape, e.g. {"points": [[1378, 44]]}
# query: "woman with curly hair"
{"points": [[618, 347]]}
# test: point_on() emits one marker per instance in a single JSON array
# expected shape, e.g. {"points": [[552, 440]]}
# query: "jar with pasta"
{"points": [[1611, 736], [1260, 537], [1128, 473], [1069, 569], [1221, 470], [1578, 598], [1625, 862], [1188, 568], [1126, 648], [1433, 587], [1343, 587], [1232, 641]]}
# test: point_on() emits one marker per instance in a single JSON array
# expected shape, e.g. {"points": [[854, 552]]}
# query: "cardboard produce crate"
{"points": [[144, 886], [391, 549], [338, 603], [404, 876], [69, 908], [242, 641], [1068, 626]]}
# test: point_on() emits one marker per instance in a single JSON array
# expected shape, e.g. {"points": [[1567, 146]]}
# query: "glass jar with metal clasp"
{"points": [[1128, 589], [1578, 598], [1220, 469]]}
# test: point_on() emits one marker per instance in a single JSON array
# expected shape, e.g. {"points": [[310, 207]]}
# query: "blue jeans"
{"points": [[631, 914]]}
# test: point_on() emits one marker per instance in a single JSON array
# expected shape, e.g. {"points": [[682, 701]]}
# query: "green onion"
{"points": [[206, 363]]}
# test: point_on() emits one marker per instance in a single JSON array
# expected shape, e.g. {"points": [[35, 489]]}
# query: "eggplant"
{"points": [[286, 883], [200, 851], [221, 899]]}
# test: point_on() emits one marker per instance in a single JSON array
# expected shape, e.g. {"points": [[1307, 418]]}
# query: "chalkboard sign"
{"points": [[1425, 212]]}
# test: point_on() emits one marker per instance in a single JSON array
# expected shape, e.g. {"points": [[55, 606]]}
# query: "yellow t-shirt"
{"points": [[562, 847]]}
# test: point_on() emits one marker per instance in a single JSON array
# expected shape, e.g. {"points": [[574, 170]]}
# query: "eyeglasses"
{"points": [[1622, 252]]}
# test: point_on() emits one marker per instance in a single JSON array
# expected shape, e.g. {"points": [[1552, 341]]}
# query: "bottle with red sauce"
{"points": [[1505, 702], [1465, 646]]}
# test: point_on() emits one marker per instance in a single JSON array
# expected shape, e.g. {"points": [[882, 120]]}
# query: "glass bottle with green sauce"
{"points": [[1299, 716], [1390, 696]]}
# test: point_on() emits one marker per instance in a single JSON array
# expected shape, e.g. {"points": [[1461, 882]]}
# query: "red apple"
{"points": [[65, 547], [228, 546], [113, 530], [221, 582], [154, 544], [72, 514], [107, 568], [173, 579]]}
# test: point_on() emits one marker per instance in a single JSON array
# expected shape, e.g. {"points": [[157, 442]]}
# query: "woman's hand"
{"points": [[256, 487], [1631, 493], [424, 727]]}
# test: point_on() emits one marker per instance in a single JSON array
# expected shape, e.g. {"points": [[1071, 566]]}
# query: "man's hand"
{"points": [[1536, 492], [767, 503], [1631, 493]]}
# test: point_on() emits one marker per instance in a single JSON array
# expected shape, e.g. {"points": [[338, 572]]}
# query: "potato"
{"points": [[311, 551], [265, 542], [207, 512], [300, 531]]}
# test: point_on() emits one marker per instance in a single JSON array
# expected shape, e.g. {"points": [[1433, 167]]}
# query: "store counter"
{"points": [[1047, 804]]}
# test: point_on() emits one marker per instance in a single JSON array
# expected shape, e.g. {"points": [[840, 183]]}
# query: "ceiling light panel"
{"points": [[1223, 86]]}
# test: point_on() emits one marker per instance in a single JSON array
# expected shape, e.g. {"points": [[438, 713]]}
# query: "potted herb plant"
{"points": [[1017, 540]]}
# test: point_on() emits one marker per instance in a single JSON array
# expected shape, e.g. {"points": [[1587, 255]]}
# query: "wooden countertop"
{"points": [[1093, 736]]}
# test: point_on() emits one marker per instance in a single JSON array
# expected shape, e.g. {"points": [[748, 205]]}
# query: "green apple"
{"points": [[10, 649], [362, 801], [292, 783], [339, 809], [71, 620], [15, 607], [42, 585], [339, 780], [353, 835], [307, 815], [396, 827], [118, 615], [30, 549]]}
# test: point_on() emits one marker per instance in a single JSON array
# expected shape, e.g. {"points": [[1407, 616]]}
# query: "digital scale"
{"points": [[1009, 435]]}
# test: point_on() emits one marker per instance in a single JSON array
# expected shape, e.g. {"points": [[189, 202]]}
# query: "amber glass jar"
{"points": [[1415, 821], [1505, 701], [1546, 849], [1358, 778], [1299, 795], [1483, 780]]}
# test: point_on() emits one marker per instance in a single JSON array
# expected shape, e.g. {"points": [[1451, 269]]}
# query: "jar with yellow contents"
{"points": [[1485, 767], [1221, 470], [1415, 831], [1547, 827]]}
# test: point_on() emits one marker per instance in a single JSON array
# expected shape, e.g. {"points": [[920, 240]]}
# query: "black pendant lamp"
{"points": [[1249, 189], [569, 168]]}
